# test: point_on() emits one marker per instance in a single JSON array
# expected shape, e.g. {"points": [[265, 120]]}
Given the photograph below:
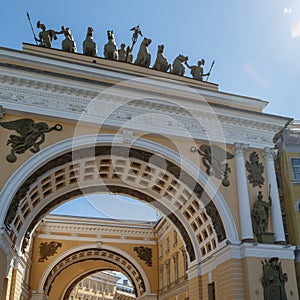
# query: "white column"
{"points": [[243, 195], [277, 223]]}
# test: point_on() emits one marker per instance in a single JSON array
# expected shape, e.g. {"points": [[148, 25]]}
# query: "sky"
{"points": [[255, 44]]}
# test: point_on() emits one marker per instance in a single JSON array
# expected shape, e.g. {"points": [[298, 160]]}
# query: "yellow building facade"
{"points": [[289, 167], [72, 125]]}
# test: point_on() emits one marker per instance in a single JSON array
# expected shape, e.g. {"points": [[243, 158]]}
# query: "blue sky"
{"points": [[256, 44]]}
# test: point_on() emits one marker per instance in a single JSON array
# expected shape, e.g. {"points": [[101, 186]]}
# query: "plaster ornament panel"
{"points": [[48, 249], [255, 170], [145, 254]]}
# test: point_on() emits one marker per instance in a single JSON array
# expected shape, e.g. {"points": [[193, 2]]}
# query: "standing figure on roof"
{"points": [[46, 36], [197, 71], [122, 53]]}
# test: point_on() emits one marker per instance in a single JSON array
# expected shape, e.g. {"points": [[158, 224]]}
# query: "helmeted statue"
{"points": [[197, 71], [178, 67], [46, 36], [144, 57], [68, 44], [260, 214], [110, 48], [161, 63], [274, 280], [89, 46]]}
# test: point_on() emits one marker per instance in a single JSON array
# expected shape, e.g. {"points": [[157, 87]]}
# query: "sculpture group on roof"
{"points": [[123, 54]]}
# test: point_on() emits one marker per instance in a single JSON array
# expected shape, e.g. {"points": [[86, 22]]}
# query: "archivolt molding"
{"points": [[44, 156], [105, 252]]}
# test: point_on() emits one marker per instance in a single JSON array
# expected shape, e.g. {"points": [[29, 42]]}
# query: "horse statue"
{"points": [[68, 44], [89, 46], [144, 57], [110, 48], [178, 67], [161, 63]]}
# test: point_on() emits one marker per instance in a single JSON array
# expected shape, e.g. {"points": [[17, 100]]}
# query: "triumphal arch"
{"points": [[74, 125]]}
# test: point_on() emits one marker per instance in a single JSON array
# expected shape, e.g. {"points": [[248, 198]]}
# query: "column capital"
{"points": [[239, 148], [269, 153]]}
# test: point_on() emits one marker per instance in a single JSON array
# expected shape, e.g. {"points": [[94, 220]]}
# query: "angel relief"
{"points": [[31, 136], [214, 159]]}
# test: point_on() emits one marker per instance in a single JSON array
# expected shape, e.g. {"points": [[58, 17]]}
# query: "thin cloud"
{"points": [[253, 74], [295, 30], [287, 10]]}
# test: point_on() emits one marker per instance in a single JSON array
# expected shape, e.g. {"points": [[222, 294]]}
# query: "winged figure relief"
{"points": [[31, 136], [214, 158]]}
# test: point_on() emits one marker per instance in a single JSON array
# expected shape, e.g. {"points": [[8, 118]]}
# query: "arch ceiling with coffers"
{"points": [[57, 174]]}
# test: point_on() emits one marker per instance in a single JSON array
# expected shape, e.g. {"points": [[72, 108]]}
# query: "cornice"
{"points": [[138, 106], [94, 230]]}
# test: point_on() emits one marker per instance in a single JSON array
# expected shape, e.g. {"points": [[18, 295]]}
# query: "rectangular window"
{"points": [[160, 250], [87, 284], [211, 291], [175, 238], [167, 244], [295, 162]]}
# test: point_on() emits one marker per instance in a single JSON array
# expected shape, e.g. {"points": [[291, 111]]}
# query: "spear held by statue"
{"points": [[29, 20], [212, 64]]}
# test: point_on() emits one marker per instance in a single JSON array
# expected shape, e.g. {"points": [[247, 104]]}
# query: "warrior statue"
{"points": [[260, 214], [46, 36], [197, 71]]}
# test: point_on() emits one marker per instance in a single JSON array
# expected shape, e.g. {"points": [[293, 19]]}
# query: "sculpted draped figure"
{"points": [[89, 46]]}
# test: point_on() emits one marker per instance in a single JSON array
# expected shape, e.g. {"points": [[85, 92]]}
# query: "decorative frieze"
{"points": [[62, 100]]}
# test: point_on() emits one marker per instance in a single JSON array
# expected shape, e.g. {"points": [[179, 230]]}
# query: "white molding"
{"points": [[95, 239]]}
